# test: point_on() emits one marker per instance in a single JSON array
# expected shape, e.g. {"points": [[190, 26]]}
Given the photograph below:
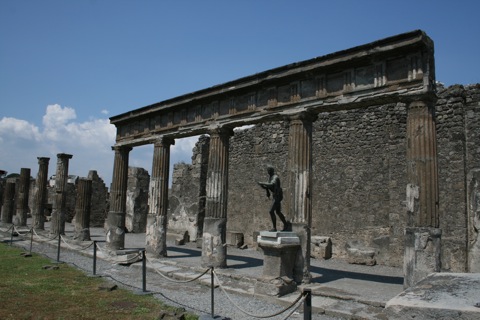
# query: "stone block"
{"points": [[275, 286], [234, 239], [358, 253], [439, 296], [321, 247]]}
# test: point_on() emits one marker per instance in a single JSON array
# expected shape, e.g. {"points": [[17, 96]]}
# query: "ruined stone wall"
{"points": [[359, 177], [137, 200], [187, 194]]}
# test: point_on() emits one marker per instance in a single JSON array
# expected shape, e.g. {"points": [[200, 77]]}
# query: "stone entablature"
{"points": [[386, 70]]}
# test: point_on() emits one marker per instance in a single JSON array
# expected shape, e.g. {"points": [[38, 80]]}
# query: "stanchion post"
{"points": [[212, 293], [144, 271], [58, 247], [94, 257], [307, 304], [11, 237], [31, 240]]}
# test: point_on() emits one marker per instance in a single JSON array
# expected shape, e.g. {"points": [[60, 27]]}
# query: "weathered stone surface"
{"points": [[137, 200], [422, 254], [358, 253], [188, 192], [321, 247], [99, 207], [439, 296]]}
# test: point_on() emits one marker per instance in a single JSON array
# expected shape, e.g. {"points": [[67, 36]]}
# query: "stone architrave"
{"points": [[115, 238], [300, 195], [421, 195], [156, 235], [60, 199], [82, 209], [214, 248], [41, 195], [22, 197], [8, 202]]}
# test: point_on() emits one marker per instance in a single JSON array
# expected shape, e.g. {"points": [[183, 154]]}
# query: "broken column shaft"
{"points": [[60, 199], [22, 197], [115, 238], [41, 195], [82, 209]]}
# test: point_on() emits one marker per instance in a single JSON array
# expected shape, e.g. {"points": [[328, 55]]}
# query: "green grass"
{"points": [[28, 291]]}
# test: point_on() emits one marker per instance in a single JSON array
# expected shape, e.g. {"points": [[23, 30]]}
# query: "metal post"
{"points": [[307, 304], [212, 294], [59, 238], [94, 257], [31, 240], [11, 237], [144, 271]]}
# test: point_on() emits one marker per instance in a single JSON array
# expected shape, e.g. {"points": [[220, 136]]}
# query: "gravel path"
{"points": [[193, 296]]}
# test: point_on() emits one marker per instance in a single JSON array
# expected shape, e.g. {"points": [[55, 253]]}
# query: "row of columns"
{"points": [[422, 181], [21, 196]]}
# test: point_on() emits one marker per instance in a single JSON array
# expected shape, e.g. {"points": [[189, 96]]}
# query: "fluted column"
{"points": [[82, 209], [422, 175], [214, 250], [156, 236], [422, 236], [60, 200], [115, 238], [41, 195], [300, 184], [22, 197], [8, 202]]}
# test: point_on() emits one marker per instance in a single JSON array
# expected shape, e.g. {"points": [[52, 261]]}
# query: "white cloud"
{"points": [[105, 112], [89, 142], [11, 128]]}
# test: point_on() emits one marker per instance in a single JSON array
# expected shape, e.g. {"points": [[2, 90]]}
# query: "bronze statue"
{"points": [[273, 187]]}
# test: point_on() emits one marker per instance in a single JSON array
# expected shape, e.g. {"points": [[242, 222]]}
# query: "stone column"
{"points": [[82, 209], [60, 199], [214, 249], [22, 197], [41, 196], [156, 237], [422, 236], [115, 238], [300, 185], [8, 202]]}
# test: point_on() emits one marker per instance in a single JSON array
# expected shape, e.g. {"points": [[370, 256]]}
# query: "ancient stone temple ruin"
{"points": [[322, 101]]}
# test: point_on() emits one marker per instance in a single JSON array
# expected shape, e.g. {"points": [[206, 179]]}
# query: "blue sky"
{"points": [[67, 66]]}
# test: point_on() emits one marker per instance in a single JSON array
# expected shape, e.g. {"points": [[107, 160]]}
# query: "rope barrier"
{"points": [[8, 228], [18, 232], [72, 248], [251, 314], [175, 280], [295, 309]]}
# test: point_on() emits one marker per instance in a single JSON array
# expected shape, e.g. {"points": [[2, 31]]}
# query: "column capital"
{"points": [[163, 141], [304, 116], [221, 131], [64, 156], [122, 148], [43, 160]]}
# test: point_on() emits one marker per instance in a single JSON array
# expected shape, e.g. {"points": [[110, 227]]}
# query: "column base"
{"points": [[422, 254], [214, 247]]}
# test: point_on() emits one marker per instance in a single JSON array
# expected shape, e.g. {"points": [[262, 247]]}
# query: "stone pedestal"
{"points": [[422, 254], [280, 254]]}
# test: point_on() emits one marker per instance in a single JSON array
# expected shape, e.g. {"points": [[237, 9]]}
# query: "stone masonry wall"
{"points": [[187, 194], [360, 176], [137, 200]]}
